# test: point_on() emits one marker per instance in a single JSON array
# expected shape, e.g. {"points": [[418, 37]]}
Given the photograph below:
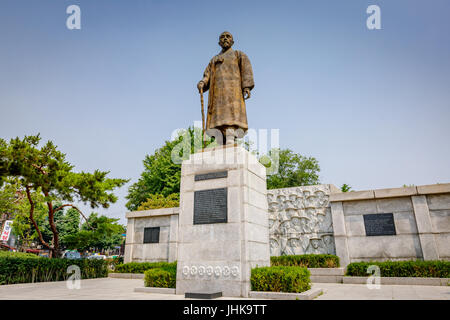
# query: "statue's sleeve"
{"points": [[246, 71], [206, 77]]}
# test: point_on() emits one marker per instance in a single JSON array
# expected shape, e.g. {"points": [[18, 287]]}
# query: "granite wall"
{"points": [[166, 250], [421, 217], [321, 219]]}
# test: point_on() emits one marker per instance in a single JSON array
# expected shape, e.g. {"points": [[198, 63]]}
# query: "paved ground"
{"points": [[121, 289], [90, 289], [338, 291]]}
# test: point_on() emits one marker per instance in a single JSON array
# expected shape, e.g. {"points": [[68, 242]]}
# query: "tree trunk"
{"points": [[30, 200], [51, 220]]}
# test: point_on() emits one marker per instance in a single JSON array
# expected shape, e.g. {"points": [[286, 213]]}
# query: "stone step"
{"points": [[126, 275]]}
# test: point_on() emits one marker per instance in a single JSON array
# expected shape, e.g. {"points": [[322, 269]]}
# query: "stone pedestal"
{"points": [[217, 255]]}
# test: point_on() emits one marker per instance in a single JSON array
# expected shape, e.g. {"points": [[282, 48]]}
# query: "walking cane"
{"points": [[203, 118]]}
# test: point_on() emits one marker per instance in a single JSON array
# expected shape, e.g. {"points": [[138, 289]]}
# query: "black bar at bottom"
{"points": [[203, 295]]}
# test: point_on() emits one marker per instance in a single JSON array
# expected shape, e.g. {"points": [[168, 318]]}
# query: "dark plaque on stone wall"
{"points": [[210, 206], [380, 224], [151, 235], [211, 175]]}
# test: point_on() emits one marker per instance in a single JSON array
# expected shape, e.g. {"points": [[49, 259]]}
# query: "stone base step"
{"points": [[412, 281], [126, 275]]}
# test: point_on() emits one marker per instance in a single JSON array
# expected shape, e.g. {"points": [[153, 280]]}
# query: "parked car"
{"points": [[97, 256], [71, 255]]}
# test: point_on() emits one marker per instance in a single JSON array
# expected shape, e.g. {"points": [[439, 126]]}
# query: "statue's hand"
{"points": [[200, 86], [246, 93]]}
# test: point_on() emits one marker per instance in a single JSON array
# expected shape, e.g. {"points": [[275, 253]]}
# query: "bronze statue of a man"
{"points": [[229, 78]]}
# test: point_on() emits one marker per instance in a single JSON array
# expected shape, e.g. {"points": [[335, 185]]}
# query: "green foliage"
{"points": [[156, 201], [307, 261], [24, 270], [412, 268], [99, 232], [161, 176], [67, 224], [294, 170], [346, 188], [113, 262], [280, 279], [22, 255], [156, 274], [141, 267], [160, 278], [45, 170], [3, 161], [11, 200], [47, 167]]}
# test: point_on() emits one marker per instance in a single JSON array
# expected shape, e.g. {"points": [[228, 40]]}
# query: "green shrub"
{"points": [[307, 261], [18, 255], [113, 262], [24, 270], [157, 201], [160, 278], [428, 269], [141, 267], [280, 279], [118, 260]]}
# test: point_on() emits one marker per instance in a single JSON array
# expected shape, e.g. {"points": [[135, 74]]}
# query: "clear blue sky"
{"points": [[373, 106]]}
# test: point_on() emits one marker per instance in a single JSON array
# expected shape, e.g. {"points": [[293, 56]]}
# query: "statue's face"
{"points": [[226, 40]]}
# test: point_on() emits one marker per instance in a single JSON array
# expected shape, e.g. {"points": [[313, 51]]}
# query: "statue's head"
{"points": [[226, 40]]}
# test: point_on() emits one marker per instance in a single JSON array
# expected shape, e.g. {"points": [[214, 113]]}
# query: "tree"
{"points": [[71, 223], [346, 188], [67, 223], [161, 176], [11, 197], [99, 232], [14, 206], [294, 170], [45, 170], [22, 225]]}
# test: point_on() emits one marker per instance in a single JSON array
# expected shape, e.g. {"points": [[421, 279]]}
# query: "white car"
{"points": [[71, 255], [97, 256]]}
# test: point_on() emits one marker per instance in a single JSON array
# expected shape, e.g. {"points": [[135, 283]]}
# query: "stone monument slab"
{"points": [[216, 252]]}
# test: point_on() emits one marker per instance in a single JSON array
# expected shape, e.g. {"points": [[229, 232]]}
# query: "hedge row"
{"points": [[24, 255], [428, 269], [280, 279], [141, 267], [307, 261], [160, 278], [17, 269]]}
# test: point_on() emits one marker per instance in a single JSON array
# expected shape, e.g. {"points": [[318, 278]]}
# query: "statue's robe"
{"points": [[226, 75]]}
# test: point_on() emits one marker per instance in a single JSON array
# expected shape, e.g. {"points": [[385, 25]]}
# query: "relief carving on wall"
{"points": [[300, 221]]}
